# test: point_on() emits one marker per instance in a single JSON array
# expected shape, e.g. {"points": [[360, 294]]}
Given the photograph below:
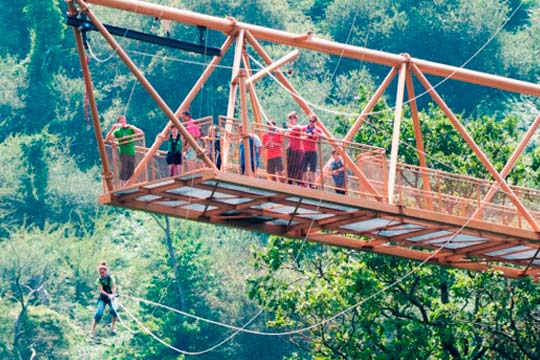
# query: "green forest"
{"points": [[53, 232]]}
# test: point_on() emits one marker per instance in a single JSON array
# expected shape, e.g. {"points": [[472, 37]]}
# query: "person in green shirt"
{"points": [[107, 293], [125, 134]]}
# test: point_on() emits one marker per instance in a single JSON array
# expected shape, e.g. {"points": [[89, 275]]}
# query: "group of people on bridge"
{"points": [[299, 145]]}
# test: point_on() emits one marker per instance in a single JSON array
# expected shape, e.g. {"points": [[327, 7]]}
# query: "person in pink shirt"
{"points": [[191, 126], [310, 143], [295, 150], [272, 142], [194, 130]]}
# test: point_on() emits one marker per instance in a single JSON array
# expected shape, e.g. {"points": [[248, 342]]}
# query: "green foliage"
{"points": [[41, 182], [521, 59], [360, 305], [13, 85], [47, 333]]}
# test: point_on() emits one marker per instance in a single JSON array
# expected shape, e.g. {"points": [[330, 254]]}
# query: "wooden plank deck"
{"points": [[288, 210]]}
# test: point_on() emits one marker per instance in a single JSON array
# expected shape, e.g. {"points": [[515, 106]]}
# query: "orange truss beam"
{"points": [[230, 25]]}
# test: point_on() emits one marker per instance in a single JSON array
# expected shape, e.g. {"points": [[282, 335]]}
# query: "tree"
{"points": [[444, 313]]}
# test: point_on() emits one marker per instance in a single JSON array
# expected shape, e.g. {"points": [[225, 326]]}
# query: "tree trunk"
{"points": [[18, 331], [174, 263]]}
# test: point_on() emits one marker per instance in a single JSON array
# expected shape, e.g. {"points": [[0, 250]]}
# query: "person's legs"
{"points": [[313, 167], [98, 315], [271, 168], [112, 306], [310, 167], [298, 166], [279, 169], [290, 173], [130, 164]]}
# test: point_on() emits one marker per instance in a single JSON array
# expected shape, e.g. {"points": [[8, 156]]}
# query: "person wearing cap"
{"points": [[295, 149], [310, 141], [125, 134], [272, 142]]}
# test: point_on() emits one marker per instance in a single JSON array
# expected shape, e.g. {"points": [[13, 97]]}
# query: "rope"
{"points": [[184, 352], [347, 41], [115, 308]]}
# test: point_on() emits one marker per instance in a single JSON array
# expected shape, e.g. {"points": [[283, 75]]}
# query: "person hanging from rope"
{"points": [[107, 294], [174, 155], [126, 135]]}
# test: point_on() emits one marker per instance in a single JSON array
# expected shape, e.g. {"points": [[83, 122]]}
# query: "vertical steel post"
{"points": [[106, 172], [396, 133]]}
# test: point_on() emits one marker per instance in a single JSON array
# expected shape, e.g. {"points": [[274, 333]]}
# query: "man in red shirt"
{"points": [[310, 143], [272, 142], [295, 150]]}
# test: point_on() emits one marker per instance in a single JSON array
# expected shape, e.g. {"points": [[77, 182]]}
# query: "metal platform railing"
{"points": [[364, 174]]}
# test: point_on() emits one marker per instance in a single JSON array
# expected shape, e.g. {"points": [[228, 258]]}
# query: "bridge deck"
{"points": [[369, 225]]}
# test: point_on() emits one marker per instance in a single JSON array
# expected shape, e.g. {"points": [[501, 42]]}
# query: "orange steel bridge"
{"points": [[389, 208]]}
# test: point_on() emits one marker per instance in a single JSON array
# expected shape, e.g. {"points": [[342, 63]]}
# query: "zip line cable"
{"points": [[184, 352]]}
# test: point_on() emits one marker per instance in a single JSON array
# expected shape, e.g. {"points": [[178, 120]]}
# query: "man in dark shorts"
{"points": [[295, 150], [272, 142], [310, 141]]}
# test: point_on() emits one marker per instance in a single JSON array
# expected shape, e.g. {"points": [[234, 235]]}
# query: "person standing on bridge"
{"points": [[337, 169], [272, 142], [295, 150], [174, 155], [254, 146], [126, 136], [213, 146], [195, 131], [312, 135]]}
